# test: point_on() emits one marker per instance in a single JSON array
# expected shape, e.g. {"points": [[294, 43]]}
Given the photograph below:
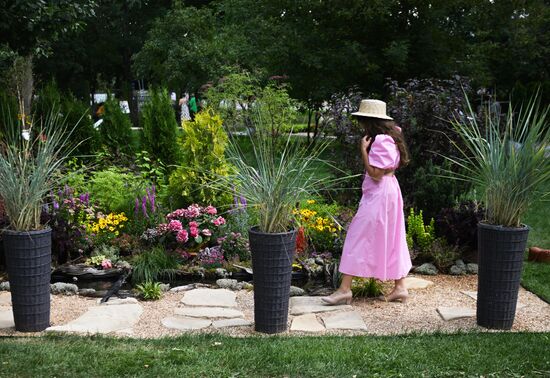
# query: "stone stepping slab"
{"points": [[209, 312], [103, 319], [185, 324], [473, 295], [307, 323], [351, 320], [210, 298], [5, 299], [238, 322], [308, 305], [415, 283], [452, 313], [6, 317]]}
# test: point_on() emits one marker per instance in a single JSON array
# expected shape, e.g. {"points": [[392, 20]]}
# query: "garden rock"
{"points": [[118, 301], [415, 283], [164, 287], [296, 291], [471, 268], [223, 273], [306, 323], [64, 288], [177, 289], [457, 270], [237, 322], [210, 298], [428, 269], [345, 320], [5, 286], [248, 286], [226, 283], [307, 305], [87, 292]]}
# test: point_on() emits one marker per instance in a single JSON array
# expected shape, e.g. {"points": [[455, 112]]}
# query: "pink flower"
{"points": [[182, 236], [194, 232], [218, 221], [175, 226], [211, 210], [193, 224], [192, 211], [162, 228], [106, 264], [206, 232], [176, 214]]}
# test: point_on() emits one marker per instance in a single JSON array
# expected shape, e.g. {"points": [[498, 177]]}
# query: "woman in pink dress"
{"points": [[375, 245]]}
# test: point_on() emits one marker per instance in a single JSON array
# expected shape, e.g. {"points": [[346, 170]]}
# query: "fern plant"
{"points": [[150, 290], [366, 287]]}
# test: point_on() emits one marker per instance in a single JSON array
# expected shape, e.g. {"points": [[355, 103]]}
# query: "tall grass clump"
{"points": [[30, 156], [151, 265], [504, 157]]}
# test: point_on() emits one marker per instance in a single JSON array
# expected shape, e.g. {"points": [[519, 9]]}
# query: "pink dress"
{"points": [[375, 244]]}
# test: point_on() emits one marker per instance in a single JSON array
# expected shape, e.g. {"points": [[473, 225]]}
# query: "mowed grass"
{"points": [[486, 354], [536, 276]]}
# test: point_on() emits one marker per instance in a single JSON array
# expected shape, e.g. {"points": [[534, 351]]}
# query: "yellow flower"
{"points": [[116, 233], [310, 202], [111, 229]]}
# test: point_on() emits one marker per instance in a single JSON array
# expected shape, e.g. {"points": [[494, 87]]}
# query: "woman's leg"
{"points": [[399, 291], [345, 285], [343, 294]]}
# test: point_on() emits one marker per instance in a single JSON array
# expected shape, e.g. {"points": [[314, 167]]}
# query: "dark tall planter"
{"points": [[272, 256], [500, 264], [28, 260]]}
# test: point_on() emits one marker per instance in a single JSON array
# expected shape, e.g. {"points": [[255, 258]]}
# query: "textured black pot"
{"points": [[28, 260], [272, 256], [501, 252]]}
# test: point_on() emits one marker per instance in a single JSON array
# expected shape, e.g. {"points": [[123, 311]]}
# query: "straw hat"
{"points": [[373, 109]]}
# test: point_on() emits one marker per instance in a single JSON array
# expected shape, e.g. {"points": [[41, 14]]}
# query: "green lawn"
{"points": [[487, 354], [536, 276]]}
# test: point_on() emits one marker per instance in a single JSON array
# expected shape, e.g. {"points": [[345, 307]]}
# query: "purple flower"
{"points": [[136, 208], [144, 206], [243, 202], [55, 205]]}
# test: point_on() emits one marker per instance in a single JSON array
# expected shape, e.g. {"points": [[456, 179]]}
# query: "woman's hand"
{"points": [[365, 142]]}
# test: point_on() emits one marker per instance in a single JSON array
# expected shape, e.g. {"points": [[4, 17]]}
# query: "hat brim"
{"points": [[371, 115]]}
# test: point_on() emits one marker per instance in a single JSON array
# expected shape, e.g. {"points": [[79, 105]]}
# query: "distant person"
{"points": [[193, 109], [184, 104]]}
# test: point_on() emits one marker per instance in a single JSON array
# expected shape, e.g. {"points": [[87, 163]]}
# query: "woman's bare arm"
{"points": [[373, 172]]}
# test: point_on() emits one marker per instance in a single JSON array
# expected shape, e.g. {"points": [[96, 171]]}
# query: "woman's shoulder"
{"points": [[384, 139]]}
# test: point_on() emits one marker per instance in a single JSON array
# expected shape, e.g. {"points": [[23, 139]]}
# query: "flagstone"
{"points": [[306, 323], [5, 299], [103, 319], [237, 322], [6, 317], [308, 305], [345, 320], [415, 283], [209, 312], [452, 313], [210, 298], [185, 324]]}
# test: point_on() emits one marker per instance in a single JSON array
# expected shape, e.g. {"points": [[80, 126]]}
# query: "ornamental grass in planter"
{"points": [[29, 164], [279, 172], [504, 158]]}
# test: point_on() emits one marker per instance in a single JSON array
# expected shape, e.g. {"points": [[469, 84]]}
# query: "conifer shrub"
{"points": [[116, 129], [203, 161], [159, 128]]}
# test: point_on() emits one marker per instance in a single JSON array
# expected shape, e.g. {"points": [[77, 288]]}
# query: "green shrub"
{"points": [[72, 112], [151, 265], [159, 128], [107, 251], [8, 110], [366, 287], [116, 129], [115, 190], [203, 162], [442, 254], [419, 236], [150, 290]]}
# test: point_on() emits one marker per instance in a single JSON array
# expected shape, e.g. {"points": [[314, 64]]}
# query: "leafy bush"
{"points": [[442, 254], [159, 128], [116, 129], [108, 252], [115, 190], [419, 235], [150, 290], [153, 264], [366, 287], [458, 224], [235, 247], [8, 113], [203, 162]]}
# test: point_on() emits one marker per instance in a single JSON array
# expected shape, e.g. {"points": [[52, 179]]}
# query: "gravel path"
{"points": [[417, 315]]}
